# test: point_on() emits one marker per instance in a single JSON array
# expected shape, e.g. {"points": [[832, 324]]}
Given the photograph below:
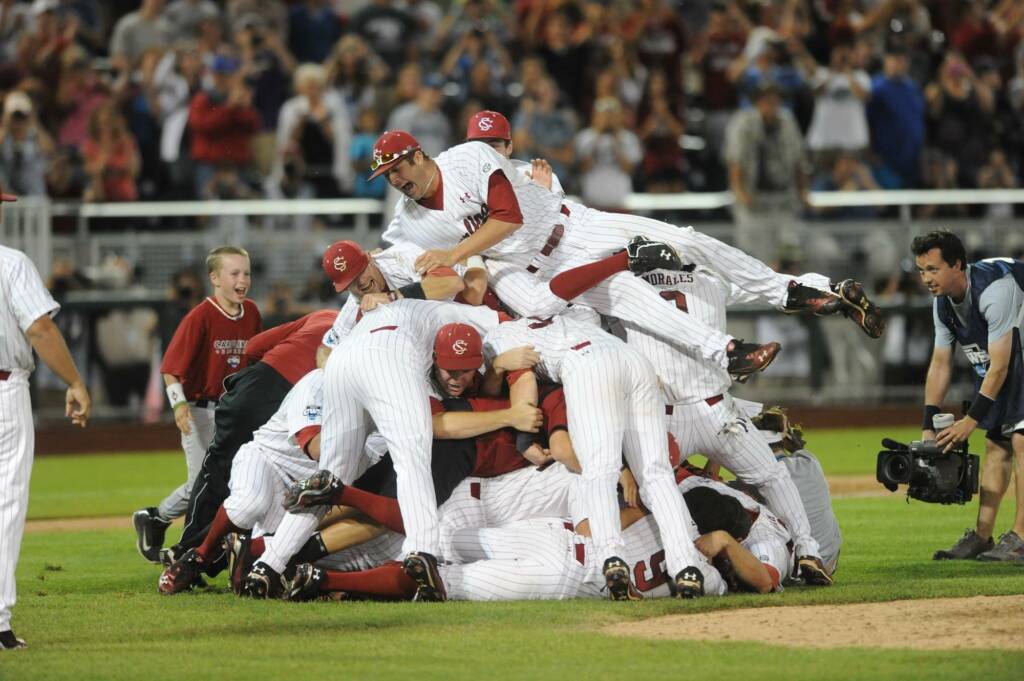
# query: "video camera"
{"points": [[933, 476]]}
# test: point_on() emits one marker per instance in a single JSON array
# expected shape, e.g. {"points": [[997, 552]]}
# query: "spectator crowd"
{"points": [[194, 99]]}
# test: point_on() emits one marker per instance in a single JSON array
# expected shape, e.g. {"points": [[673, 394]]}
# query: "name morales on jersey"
{"points": [[229, 347], [668, 278]]}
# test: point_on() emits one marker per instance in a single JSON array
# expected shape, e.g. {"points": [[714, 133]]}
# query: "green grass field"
{"points": [[89, 608]]}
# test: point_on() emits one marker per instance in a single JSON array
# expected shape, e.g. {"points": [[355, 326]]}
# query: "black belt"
{"points": [[203, 404]]}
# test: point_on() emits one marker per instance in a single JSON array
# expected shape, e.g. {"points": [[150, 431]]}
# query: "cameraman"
{"points": [[981, 307]]}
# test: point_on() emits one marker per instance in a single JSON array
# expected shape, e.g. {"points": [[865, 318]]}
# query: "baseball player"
{"points": [[470, 200], [979, 306], [283, 450], [207, 347], [26, 308], [380, 372], [494, 130], [614, 408], [277, 359], [702, 415]]}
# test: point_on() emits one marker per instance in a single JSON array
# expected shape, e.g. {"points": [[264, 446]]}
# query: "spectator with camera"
{"points": [[607, 153], [111, 157], [839, 122], [25, 147], [979, 306]]}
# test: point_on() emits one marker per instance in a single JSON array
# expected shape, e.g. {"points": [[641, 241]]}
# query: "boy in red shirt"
{"points": [[207, 347]]}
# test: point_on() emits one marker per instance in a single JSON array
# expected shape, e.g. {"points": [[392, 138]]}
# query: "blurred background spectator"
{"points": [[111, 157], [607, 153], [25, 148]]}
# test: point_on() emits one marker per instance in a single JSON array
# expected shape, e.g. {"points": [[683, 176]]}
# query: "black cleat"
{"points": [[645, 255], [749, 358], [422, 569], [860, 309], [306, 584], [263, 583], [8, 641], [689, 583], [183, 575], [149, 533], [616, 578], [316, 490], [806, 299], [240, 559], [812, 571]]}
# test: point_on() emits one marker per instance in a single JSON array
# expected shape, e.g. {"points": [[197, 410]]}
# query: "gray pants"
{"points": [[195, 445], [771, 227]]}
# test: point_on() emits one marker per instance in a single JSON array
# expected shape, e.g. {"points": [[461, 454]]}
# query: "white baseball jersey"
{"points": [[379, 373], [525, 169], [614, 408], [768, 539], [264, 467], [465, 172], [23, 300]]}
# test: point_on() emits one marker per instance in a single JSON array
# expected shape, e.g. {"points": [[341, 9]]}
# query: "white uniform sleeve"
{"points": [[343, 323], [305, 404], [398, 264], [1002, 306], [944, 338], [523, 293], [483, 318], [503, 338], [485, 161], [29, 299]]}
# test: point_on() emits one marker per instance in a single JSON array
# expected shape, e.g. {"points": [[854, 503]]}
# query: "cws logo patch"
{"points": [[460, 346], [312, 413]]}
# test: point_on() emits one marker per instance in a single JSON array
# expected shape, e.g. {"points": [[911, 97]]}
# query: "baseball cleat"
{"points": [[149, 533], [860, 309], [183, 575], [170, 555], [263, 582], [749, 358], [645, 255], [422, 568], [689, 583], [968, 547], [240, 559], [616, 578], [804, 298], [316, 490], [812, 571], [8, 641], [305, 585]]}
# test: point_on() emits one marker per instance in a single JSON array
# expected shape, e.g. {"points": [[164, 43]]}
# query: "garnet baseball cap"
{"points": [[458, 347], [488, 125], [389, 149], [344, 261]]}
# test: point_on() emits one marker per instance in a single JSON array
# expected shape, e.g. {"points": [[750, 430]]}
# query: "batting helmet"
{"points": [[488, 125], [344, 261]]}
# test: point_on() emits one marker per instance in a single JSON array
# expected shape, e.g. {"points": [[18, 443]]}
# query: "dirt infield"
{"points": [[976, 623]]}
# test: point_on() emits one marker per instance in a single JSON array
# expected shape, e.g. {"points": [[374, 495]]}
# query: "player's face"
{"points": [[411, 176], [232, 280], [370, 281], [937, 275], [454, 383]]}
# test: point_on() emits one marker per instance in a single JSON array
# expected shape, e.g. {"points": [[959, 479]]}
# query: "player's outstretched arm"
{"points": [[749, 570], [459, 425], [49, 344]]}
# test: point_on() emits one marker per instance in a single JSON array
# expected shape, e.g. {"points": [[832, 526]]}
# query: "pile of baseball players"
{"points": [[502, 409]]}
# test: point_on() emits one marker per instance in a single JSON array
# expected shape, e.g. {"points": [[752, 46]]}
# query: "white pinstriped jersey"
{"points": [[301, 408], [25, 300], [685, 376], [409, 326], [551, 337], [644, 552], [466, 170], [525, 168]]}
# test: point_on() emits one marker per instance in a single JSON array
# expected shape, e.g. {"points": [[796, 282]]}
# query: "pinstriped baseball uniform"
{"points": [[704, 417], [367, 555], [380, 373], [264, 467], [23, 300], [492, 502], [614, 408], [768, 538], [526, 561]]}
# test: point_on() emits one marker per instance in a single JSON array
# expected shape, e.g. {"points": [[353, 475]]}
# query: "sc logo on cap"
{"points": [[460, 346], [485, 123], [340, 264]]}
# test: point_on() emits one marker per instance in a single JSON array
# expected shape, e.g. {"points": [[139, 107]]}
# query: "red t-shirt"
{"points": [[291, 348], [208, 346]]}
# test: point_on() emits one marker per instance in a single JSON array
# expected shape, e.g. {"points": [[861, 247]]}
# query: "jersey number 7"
{"points": [[676, 297]]}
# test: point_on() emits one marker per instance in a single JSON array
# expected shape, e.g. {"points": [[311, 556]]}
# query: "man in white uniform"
{"points": [[614, 408], [26, 308], [379, 372]]}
